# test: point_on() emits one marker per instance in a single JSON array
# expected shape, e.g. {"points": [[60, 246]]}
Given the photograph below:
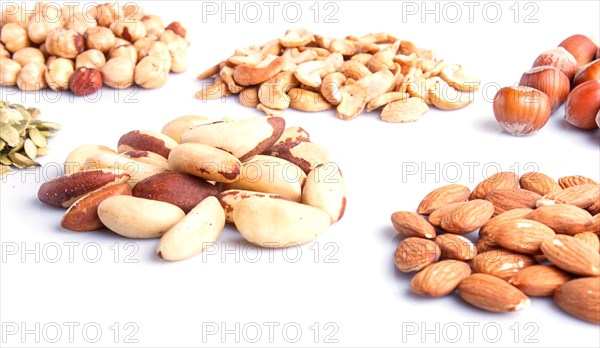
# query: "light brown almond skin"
{"points": [[572, 255], [64, 190], [590, 239], [456, 247], [575, 180], [594, 209], [414, 254], [440, 279], [580, 298], [510, 199], [501, 263], [435, 218], [520, 235], [539, 280], [502, 180], [411, 224], [519, 213], [562, 218], [582, 196], [469, 217], [83, 214], [182, 190], [492, 294], [539, 183], [443, 196], [485, 243]]}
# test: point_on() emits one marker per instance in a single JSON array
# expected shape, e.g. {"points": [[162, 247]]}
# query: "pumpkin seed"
{"points": [[9, 134], [4, 160], [42, 151], [22, 161], [46, 133], [30, 149], [38, 139]]}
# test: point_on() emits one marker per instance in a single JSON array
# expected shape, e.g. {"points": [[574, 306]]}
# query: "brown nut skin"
{"points": [[581, 47], [64, 190], [64, 43], [521, 110], [549, 80], [83, 214], [147, 141], [85, 81], [182, 190], [560, 58], [583, 105], [580, 298]]}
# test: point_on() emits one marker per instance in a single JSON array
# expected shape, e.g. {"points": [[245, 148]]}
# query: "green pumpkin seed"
{"points": [[9, 115], [4, 160], [30, 149], [9, 134], [22, 161], [43, 151], [19, 146], [46, 133], [38, 139], [2, 145]]}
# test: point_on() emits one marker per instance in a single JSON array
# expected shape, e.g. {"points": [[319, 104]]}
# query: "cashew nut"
{"points": [[407, 110]]}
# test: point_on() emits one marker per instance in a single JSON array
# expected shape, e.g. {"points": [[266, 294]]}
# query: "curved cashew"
{"points": [[445, 97], [350, 48], [308, 101], [296, 38], [406, 61], [249, 97], [245, 75], [210, 72], [354, 99], [311, 73], [354, 70], [417, 85], [455, 76], [295, 56], [379, 38], [377, 83], [436, 70], [330, 88], [322, 41], [407, 48], [409, 110], [320, 52], [227, 75], [272, 93], [362, 58], [382, 60], [385, 99]]}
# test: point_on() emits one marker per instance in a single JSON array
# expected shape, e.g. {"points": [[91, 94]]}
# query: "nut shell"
{"points": [[521, 110], [549, 80], [560, 58], [583, 105], [582, 47]]}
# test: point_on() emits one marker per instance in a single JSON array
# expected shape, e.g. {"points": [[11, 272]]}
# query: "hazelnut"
{"points": [[38, 30], [173, 41], [151, 73], [549, 80], [106, 14], [85, 81], [179, 29], [14, 37], [582, 47], [126, 51], [142, 46], [58, 74], [583, 105], [129, 30], [32, 77], [118, 72], [160, 51], [152, 22], [521, 110], [90, 59], [590, 71], [4, 52], [9, 69], [64, 43], [179, 62], [29, 54], [154, 33], [81, 24], [99, 38], [560, 58]]}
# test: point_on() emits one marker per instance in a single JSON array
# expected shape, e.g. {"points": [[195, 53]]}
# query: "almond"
{"points": [[440, 279], [594, 209], [492, 294], [414, 254], [582, 196], [520, 235], [575, 180], [468, 217], [580, 298], [572, 255], [502, 180], [501, 263], [411, 224], [443, 196], [562, 218], [509, 199], [590, 239], [539, 280], [435, 218], [539, 183], [519, 213], [456, 247], [485, 243]]}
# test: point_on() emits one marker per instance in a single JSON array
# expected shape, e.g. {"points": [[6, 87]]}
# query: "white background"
{"points": [[346, 281]]}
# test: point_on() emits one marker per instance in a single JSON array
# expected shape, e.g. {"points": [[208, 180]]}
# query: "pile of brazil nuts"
{"points": [[81, 48], [23, 136], [537, 237], [310, 72], [182, 185]]}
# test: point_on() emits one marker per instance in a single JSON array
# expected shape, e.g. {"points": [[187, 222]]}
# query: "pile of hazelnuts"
{"points": [[81, 48], [569, 72]]}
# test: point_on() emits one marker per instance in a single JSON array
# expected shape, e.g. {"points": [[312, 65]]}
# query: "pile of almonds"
{"points": [[79, 49], [310, 72], [537, 237], [182, 185], [565, 73], [23, 136]]}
